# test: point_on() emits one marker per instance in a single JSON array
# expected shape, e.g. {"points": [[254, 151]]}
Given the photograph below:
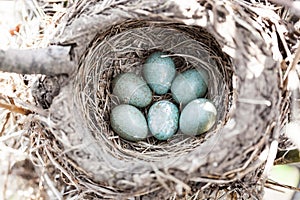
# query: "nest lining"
{"points": [[126, 52]]}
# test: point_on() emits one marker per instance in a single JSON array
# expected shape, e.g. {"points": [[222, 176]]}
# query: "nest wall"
{"points": [[243, 83]]}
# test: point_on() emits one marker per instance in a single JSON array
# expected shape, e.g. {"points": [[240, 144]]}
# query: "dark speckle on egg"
{"points": [[163, 119]]}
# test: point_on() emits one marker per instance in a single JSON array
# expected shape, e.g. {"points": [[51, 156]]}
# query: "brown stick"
{"points": [[51, 60], [14, 108]]}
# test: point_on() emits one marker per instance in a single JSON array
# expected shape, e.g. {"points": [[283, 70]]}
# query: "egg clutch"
{"points": [[163, 118]]}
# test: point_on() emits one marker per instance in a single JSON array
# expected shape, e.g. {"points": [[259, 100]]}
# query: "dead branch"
{"points": [[51, 60]]}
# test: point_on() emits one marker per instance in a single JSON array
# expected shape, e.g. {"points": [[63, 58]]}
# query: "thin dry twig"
{"points": [[4, 124], [270, 183], [293, 64], [15, 109]]}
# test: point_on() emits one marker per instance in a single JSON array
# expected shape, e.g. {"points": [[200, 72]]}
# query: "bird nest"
{"points": [[223, 38]]}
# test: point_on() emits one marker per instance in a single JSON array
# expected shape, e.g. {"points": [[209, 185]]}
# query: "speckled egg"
{"points": [[197, 117], [129, 122], [163, 119], [189, 85], [132, 89], [159, 71]]}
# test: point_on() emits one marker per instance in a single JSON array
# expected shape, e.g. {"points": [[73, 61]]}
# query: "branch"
{"points": [[51, 60]]}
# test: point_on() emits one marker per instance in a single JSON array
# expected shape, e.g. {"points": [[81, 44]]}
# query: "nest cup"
{"points": [[124, 48]]}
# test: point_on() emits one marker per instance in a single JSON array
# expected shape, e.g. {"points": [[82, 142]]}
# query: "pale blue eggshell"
{"points": [[159, 72], [129, 122], [189, 85], [132, 89], [197, 117], [163, 119]]}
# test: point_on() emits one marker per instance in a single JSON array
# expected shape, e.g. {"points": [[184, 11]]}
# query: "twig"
{"points": [[271, 158], [52, 60], [255, 101], [246, 164], [271, 182], [4, 124], [287, 157], [297, 58], [215, 181], [15, 109], [293, 65]]}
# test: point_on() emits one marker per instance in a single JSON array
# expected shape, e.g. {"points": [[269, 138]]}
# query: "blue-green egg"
{"points": [[132, 89], [159, 72], [163, 119], [129, 122], [197, 117], [189, 85]]}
